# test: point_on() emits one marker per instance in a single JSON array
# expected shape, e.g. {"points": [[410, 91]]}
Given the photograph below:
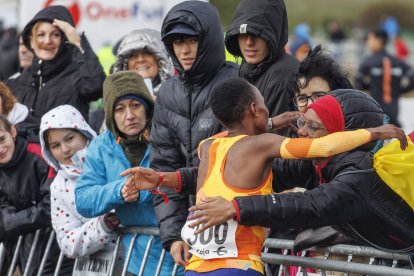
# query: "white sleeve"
{"points": [[76, 236]]}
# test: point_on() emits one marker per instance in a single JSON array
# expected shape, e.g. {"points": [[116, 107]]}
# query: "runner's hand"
{"points": [[178, 250], [389, 131], [285, 120], [210, 212], [145, 178]]}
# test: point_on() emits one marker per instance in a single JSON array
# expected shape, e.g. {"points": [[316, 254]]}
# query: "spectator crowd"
{"points": [[209, 151]]}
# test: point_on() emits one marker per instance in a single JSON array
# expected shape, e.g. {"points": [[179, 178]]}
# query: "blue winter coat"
{"points": [[99, 190]]}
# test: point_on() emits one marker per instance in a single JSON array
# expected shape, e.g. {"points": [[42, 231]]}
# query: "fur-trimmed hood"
{"points": [[149, 40]]}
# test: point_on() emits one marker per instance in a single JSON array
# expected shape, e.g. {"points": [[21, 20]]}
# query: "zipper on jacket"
{"points": [[189, 151], [37, 94]]}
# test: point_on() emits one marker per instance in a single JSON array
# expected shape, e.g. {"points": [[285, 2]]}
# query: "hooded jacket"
{"points": [[72, 77], [266, 19], [18, 114], [76, 235], [25, 205], [353, 197], [98, 190], [150, 40], [182, 115], [121, 84]]}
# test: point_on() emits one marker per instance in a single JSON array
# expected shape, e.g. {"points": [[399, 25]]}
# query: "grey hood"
{"points": [[150, 40]]}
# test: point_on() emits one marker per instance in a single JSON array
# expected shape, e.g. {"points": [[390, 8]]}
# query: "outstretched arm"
{"points": [[287, 148], [335, 143], [324, 205]]}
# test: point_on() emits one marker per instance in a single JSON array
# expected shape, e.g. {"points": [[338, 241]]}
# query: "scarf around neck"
{"points": [[134, 149]]}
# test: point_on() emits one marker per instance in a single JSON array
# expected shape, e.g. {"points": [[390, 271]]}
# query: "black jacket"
{"points": [[25, 204], [371, 77], [268, 20], [72, 77], [182, 115], [353, 198]]}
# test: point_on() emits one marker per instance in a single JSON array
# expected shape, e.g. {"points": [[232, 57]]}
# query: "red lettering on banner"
{"points": [[95, 11]]}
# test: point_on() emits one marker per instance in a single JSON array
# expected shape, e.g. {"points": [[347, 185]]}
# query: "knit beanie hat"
{"points": [[121, 84]]}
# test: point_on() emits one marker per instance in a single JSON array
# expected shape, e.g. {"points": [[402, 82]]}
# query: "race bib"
{"points": [[216, 242]]}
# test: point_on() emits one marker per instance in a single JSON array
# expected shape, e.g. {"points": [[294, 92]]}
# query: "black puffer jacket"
{"points": [[353, 197], [25, 205], [268, 20], [72, 77], [182, 115]]}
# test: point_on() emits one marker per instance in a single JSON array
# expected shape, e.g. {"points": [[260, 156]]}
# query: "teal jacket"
{"points": [[98, 191]]}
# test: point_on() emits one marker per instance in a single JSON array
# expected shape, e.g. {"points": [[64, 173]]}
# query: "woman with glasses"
{"points": [[318, 74]]}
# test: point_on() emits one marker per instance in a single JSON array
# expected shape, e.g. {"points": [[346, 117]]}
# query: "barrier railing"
{"points": [[324, 265], [135, 231], [284, 259]]}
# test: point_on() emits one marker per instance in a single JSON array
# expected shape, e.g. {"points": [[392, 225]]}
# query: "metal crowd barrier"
{"points": [[25, 271], [135, 231], [283, 259]]}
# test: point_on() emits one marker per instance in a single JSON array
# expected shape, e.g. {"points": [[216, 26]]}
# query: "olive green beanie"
{"points": [[121, 84]]}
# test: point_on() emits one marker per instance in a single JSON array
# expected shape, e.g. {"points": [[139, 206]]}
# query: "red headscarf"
{"points": [[330, 112]]}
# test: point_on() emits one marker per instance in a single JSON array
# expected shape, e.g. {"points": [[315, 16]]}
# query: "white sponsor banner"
{"points": [[105, 21]]}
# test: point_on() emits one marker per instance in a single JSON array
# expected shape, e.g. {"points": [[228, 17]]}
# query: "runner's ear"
{"points": [[253, 109]]}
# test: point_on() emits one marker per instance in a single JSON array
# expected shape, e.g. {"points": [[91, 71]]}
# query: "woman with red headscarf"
{"points": [[343, 190]]}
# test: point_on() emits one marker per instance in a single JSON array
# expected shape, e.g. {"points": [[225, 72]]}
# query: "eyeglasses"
{"points": [[302, 100], [311, 125]]}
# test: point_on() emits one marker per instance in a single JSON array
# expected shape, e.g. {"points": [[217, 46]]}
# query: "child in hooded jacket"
{"points": [[64, 136]]}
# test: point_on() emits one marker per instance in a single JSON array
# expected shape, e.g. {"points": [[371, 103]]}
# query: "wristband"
{"points": [[236, 207], [161, 180], [179, 180], [157, 190]]}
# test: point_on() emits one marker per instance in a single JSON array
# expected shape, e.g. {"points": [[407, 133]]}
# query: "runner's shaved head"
{"points": [[229, 100]]}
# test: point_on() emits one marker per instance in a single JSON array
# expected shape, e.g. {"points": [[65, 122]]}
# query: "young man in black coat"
{"points": [[193, 37], [258, 33]]}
